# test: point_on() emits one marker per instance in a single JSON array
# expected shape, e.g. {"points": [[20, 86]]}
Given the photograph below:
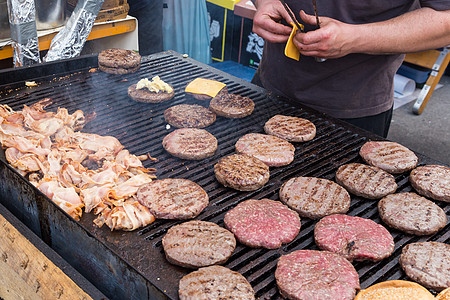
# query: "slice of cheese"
{"points": [[204, 87], [290, 50]]}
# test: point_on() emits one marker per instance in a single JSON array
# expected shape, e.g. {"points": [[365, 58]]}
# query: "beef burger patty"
{"points": [[190, 143], [263, 223], [428, 263], [432, 181], [272, 150], [292, 129], [231, 105], [146, 96], [310, 274], [196, 244], [354, 238], [173, 198], [412, 213], [366, 181], [241, 172], [314, 197], [118, 61], [189, 116], [388, 156], [215, 282]]}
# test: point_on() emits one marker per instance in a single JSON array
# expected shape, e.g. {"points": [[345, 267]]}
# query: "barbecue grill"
{"points": [[131, 265]]}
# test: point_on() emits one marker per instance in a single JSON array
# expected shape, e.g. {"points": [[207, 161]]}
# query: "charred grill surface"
{"points": [[141, 127]]}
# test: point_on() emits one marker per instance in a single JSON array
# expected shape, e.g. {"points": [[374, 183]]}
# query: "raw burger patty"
{"points": [[190, 143], [263, 223], [354, 238], [272, 150], [241, 172], [291, 129], [196, 244], [144, 95], [192, 116], [310, 274], [215, 282], [118, 61], [411, 213], [432, 181], [231, 105], [314, 197], [428, 263], [173, 198], [389, 156], [366, 181]]}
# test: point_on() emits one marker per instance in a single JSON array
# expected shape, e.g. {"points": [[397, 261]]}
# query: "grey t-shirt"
{"points": [[353, 86]]}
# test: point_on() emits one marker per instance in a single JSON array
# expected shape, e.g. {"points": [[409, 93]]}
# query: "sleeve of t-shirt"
{"points": [[436, 4]]}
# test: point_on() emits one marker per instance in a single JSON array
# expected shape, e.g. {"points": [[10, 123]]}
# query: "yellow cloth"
{"points": [[290, 50]]}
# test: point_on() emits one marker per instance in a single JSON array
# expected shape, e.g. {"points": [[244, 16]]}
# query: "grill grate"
{"points": [[141, 127]]}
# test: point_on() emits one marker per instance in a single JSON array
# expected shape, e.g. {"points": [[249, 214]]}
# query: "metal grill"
{"points": [[141, 127]]}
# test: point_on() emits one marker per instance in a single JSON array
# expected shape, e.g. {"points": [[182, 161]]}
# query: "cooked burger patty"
{"points": [[366, 181], [186, 115], [146, 96], [241, 172], [412, 213], [310, 274], [196, 244], [263, 223], [231, 105], [354, 238], [272, 150], [215, 282], [290, 128], [314, 197], [173, 198], [388, 156], [428, 263], [432, 181], [190, 143], [118, 61]]}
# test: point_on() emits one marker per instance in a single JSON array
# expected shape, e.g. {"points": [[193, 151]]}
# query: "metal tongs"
{"points": [[299, 26]]}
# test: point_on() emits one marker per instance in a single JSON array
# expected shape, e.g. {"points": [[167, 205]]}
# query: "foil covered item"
{"points": [[70, 40], [25, 42]]}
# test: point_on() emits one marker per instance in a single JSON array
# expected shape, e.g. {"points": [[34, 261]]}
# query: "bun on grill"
{"points": [[395, 289]]}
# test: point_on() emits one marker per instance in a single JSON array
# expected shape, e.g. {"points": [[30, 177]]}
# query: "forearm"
{"points": [[418, 30]]}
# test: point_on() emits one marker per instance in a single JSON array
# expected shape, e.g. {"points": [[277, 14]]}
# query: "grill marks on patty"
{"points": [[366, 181], [189, 116], [196, 244], [190, 143], [271, 150], [314, 197], [432, 181], [231, 105], [292, 129], [388, 156]]}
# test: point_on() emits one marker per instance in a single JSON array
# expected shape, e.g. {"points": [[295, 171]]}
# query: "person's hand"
{"points": [[266, 21], [334, 38]]}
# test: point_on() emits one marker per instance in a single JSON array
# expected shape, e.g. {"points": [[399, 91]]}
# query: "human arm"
{"points": [[418, 30]]}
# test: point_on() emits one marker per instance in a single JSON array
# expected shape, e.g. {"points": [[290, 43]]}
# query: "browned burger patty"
{"points": [[289, 128], [310, 274], [412, 213], [197, 244], [189, 116], [388, 156], [366, 181], [314, 197], [215, 282], [146, 96], [173, 198], [190, 143], [118, 61], [428, 263], [272, 150], [354, 238], [241, 172], [263, 223], [231, 105], [432, 181]]}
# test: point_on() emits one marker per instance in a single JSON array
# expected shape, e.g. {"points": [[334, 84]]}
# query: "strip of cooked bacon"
{"points": [[66, 198]]}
